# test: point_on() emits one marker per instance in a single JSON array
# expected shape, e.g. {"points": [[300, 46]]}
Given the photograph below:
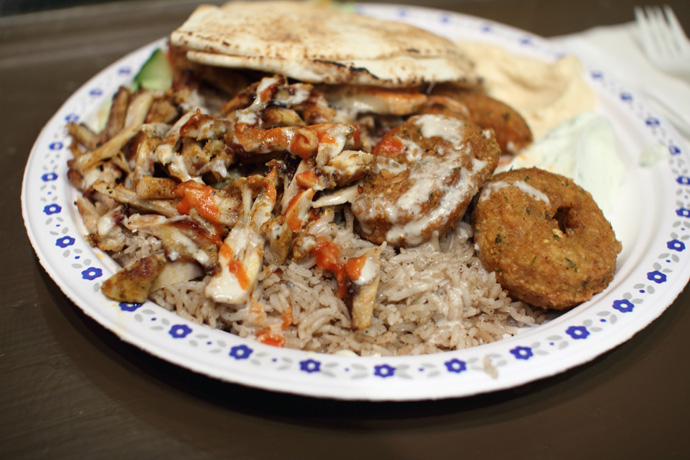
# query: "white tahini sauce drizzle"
{"points": [[250, 114], [301, 93], [412, 231], [368, 273], [447, 128], [429, 172], [523, 186]]}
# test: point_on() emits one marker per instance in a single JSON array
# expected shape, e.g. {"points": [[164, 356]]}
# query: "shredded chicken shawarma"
{"points": [[229, 181]]}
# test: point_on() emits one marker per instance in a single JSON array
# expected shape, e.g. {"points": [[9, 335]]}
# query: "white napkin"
{"points": [[617, 50]]}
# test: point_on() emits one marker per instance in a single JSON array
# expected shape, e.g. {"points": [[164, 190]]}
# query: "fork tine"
{"points": [[643, 25], [680, 39], [660, 31]]}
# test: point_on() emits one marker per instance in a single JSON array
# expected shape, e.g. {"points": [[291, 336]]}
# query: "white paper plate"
{"points": [[652, 218]]}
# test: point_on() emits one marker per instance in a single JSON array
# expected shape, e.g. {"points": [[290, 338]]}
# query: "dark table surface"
{"points": [[71, 389]]}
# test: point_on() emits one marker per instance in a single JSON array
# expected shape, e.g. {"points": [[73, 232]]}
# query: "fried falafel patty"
{"points": [[424, 176], [511, 129], [545, 237]]}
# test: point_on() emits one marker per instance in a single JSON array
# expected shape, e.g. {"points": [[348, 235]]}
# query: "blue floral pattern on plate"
{"points": [[647, 282]]}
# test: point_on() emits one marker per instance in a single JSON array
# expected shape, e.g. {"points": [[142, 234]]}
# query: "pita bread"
{"points": [[320, 44]]}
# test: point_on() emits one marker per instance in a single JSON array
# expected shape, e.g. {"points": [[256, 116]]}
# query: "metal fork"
{"points": [[664, 40]]}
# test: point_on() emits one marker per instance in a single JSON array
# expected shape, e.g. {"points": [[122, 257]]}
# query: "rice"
{"points": [[432, 298]]}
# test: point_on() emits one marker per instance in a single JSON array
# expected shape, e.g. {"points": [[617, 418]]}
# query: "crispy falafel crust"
{"points": [[545, 237], [511, 129]]}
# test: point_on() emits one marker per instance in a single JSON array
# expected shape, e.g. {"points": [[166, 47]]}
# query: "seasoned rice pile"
{"points": [[454, 303]]}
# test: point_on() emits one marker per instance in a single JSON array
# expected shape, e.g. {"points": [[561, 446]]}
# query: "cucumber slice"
{"points": [[102, 115], [156, 73]]}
